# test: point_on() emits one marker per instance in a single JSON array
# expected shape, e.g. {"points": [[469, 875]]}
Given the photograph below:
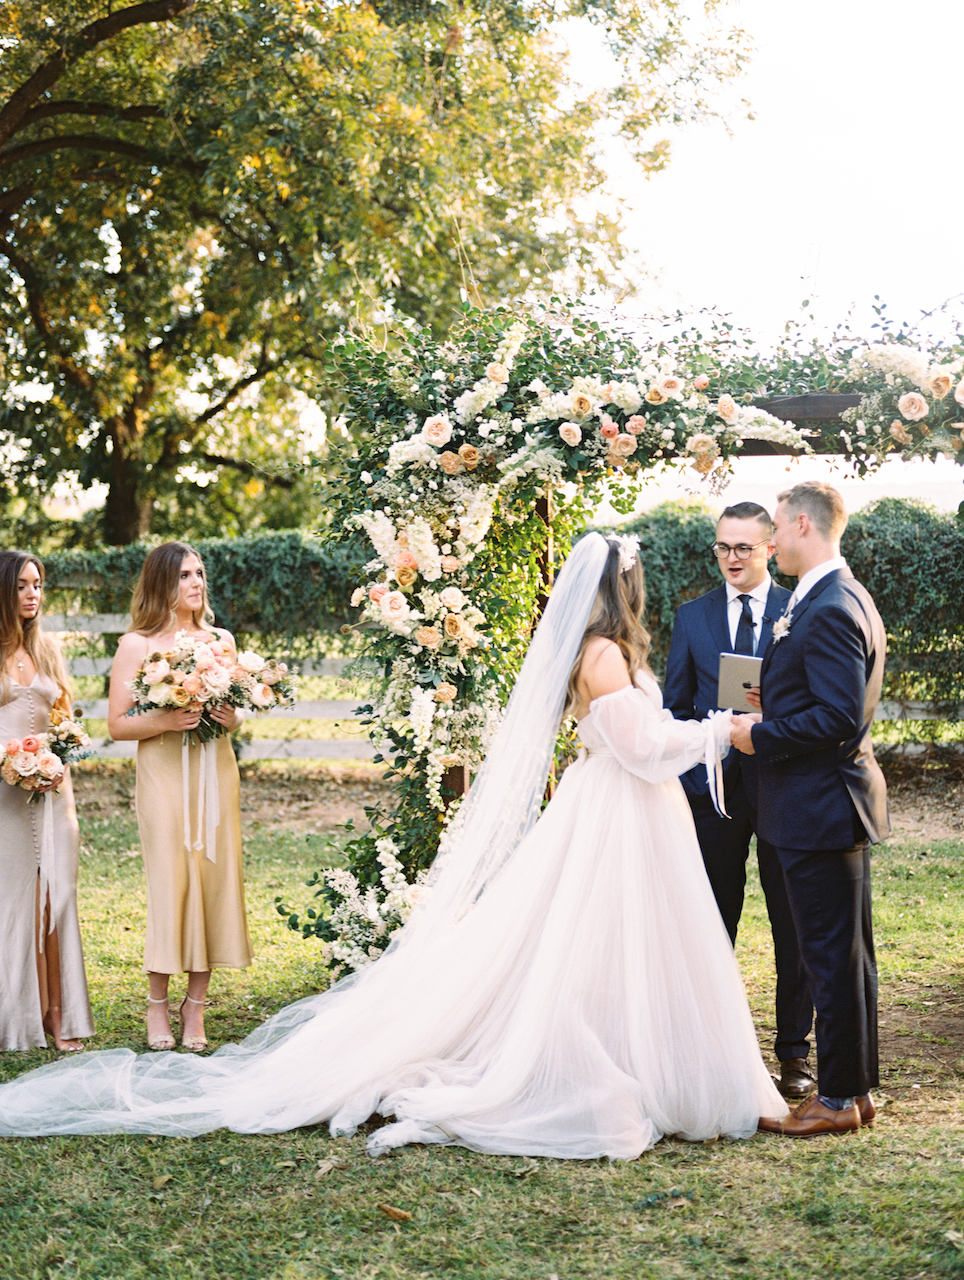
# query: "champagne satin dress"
{"points": [[38, 852], [189, 815]]}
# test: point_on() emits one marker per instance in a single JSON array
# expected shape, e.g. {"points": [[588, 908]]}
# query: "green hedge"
{"points": [[289, 587]]}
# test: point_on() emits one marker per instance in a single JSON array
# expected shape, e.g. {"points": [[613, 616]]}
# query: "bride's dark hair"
{"points": [[617, 615]]}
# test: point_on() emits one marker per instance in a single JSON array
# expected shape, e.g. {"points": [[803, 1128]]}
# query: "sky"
{"points": [[846, 185]]}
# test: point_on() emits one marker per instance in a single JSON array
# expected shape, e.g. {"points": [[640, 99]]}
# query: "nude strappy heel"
{"points": [[165, 1041], [196, 1044]]}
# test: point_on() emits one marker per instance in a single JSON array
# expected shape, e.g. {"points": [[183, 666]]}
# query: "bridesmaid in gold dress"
{"points": [[188, 804], [43, 985]]}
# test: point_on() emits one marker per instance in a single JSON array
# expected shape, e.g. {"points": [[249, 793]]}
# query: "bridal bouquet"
{"points": [[205, 674], [39, 760]]}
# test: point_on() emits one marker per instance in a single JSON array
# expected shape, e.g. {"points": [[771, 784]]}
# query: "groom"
{"points": [[738, 616], [822, 798]]}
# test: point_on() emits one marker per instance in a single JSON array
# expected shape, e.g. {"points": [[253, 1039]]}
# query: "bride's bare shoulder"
{"points": [[603, 669]]}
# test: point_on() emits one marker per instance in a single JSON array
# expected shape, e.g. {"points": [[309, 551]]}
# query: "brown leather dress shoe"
{"points": [[795, 1078], [812, 1119], [866, 1110]]}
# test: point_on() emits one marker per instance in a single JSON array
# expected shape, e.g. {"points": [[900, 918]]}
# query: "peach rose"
{"points": [[262, 696], [452, 598], [217, 680], [50, 766], [913, 406], [703, 463], [655, 396], [570, 433], [446, 692], [900, 432], [394, 606], [450, 564], [939, 385], [453, 626], [274, 672], [405, 560], [31, 744], [581, 405], [155, 671], [376, 591], [192, 684], [701, 382], [405, 576], [636, 424], [726, 408], [496, 372], [428, 637], [608, 429], [437, 430], [450, 462], [179, 696], [671, 385], [623, 445], [469, 455]]}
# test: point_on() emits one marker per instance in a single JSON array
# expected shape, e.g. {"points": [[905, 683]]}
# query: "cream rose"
{"points": [[570, 433], [445, 692], [252, 662], [496, 372], [453, 626], [452, 598], [671, 386], [726, 408], [437, 430], [50, 766], [581, 405], [450, 462], [217, 680], [469, 455], [428, 637], [913, 406], [154, 672], [25, 763], [262, 696], [655, 396], [394, 606], [451, 564], [623, 445], [939, 385], [405, 576]]}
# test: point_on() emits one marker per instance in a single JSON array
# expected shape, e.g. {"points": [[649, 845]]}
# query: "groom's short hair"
{"points": [[749, 511], [822, 503]]}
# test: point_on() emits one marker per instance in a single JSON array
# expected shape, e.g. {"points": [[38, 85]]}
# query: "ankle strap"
{"points": [[162, 1000], [192, 1000]]}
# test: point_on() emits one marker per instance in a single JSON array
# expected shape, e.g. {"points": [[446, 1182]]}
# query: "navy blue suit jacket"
{"points": [[700, 634], [820, 687]]}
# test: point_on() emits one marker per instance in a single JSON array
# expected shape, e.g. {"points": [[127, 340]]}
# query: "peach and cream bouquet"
{"points": [[38, 762], [205, 674]]}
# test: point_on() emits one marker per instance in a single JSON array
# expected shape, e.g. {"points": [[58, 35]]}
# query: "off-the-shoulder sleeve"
{"points": [[650, 743]]}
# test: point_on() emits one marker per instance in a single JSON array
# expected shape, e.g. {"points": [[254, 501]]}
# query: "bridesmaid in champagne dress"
{"points": [[188, 804], [43, 986]]}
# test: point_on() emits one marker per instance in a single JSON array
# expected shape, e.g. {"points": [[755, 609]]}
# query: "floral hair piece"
{"points": [[628, 547]]}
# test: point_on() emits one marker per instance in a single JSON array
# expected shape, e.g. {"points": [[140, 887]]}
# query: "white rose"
{"points": [[216, 679], [50, 766], [251, 662], [25, 763], [394, 606], [262, 696], [913, 406], [437, 430], [726, 408], [570, 433], [452, 598]]}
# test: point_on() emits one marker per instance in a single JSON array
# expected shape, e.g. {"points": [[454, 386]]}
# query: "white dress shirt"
{"points": [[758, 604], [812, 577]]}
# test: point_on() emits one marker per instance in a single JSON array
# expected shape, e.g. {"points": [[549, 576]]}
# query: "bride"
{"points": [[567, 987]]}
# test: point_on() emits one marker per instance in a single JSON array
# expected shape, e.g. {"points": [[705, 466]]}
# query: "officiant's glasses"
{"points": [[741, 550]]}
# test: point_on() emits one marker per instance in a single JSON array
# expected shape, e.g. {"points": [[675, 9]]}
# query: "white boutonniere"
{"points": [[782, 626]]}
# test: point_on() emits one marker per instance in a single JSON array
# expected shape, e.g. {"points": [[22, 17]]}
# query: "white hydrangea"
{"points": [[381, 531], [475, 520], [626, 396], [413, 452], [893, 360], [421, 716], [421, 543]]}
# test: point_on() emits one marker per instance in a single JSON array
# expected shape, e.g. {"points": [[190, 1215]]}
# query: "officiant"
{"points": [[738, 617]]}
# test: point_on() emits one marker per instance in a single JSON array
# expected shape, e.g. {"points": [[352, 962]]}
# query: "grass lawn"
{"points": [[885, 1203]]}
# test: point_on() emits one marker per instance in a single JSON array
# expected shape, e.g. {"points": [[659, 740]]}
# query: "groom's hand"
{"points": [[753, 698], [740, 735]]}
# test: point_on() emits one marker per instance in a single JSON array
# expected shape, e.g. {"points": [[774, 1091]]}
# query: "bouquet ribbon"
{"points": [[714, 767], [48, 885], [208, 798]]}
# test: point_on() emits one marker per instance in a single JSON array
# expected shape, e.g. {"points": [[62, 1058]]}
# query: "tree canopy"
{"points": [[196, 197]]}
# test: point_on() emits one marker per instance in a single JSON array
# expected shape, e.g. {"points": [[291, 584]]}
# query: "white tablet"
{"points": [[738, 672]]}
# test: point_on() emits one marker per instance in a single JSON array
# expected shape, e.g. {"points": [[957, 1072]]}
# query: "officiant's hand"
{"points": [[753, 697], [740, 732]]}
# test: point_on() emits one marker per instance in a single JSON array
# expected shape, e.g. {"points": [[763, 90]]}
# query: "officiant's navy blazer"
{"points": [[820, 685], [700, 634]]}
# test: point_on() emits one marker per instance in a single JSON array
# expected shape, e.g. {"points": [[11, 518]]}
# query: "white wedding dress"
{"points": [[584, 1003]]}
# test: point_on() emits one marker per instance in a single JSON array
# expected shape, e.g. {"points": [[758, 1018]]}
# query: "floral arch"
{"points": [[476, 457]]}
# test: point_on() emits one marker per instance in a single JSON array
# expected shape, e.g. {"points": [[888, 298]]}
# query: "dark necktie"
{"points": [[744, 628]]}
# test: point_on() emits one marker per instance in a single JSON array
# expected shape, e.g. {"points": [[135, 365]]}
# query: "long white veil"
{"points": [[327, 1056]]}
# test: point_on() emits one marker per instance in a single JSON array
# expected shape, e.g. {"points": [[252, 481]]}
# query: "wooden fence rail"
{"points": [[334, 709]]}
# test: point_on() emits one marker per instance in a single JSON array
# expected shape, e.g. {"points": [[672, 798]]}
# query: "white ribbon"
{"points": [[208, 798], [714, 764], [48, 886]]}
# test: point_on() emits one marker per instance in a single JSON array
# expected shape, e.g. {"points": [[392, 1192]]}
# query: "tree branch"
{"points": [[90, 142], [248, 469], [23, 99], [68, 107], [42, 323]]}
